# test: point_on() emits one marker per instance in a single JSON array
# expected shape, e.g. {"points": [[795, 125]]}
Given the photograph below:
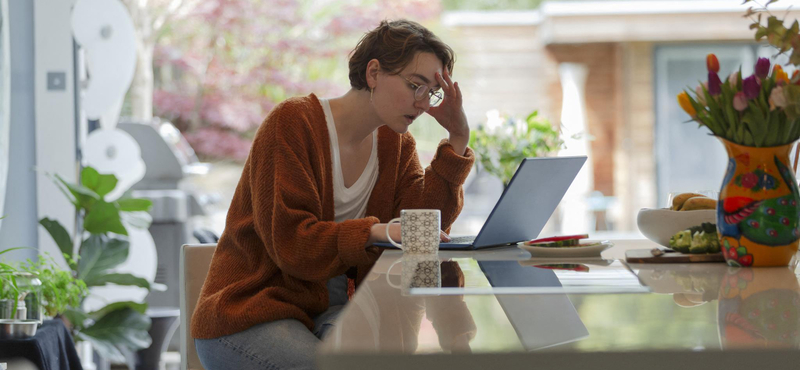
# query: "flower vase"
{"points": [[758, 211]]}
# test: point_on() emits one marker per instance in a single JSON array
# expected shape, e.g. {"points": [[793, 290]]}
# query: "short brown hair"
{"points": [[394, 44]]}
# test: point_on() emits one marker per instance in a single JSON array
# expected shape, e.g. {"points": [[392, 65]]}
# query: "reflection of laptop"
{"points": [[526, 204], [540, 320]]}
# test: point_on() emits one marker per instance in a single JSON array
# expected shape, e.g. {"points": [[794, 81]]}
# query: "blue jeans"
{"points": [[276, 345]]}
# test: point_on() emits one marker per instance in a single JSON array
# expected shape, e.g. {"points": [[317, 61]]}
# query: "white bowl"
{"points": [[660, 224]]}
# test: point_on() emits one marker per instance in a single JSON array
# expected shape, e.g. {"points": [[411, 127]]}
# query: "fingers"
{"points": [[443, 236], [449, 88]]}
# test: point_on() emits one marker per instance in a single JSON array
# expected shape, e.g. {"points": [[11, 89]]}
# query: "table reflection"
{"points": [[758, 307], [393, 322]]}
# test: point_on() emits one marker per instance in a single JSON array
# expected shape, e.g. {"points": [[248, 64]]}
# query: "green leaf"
{"points": [[13, 249], [119, 279], [59, 235], [136, 306], [139, 220], [134, 204], [76, 317], [99, 254], [100, 184], [104, 218], [84, 197], [117, 331]]}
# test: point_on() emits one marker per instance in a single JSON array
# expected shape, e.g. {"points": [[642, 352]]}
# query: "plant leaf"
{"points": [[99, 254], [103, 218], [119, 279], [118, 330], [134, 204], [136, 306], [100, 184], [139, 219], [84, 197], [59, 235], [76, 317]]}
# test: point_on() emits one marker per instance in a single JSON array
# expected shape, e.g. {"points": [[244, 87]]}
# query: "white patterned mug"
{"points": [[419, 271], [420, 229]]}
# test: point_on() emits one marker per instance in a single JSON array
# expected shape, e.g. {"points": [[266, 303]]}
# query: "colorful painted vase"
{"points": [[759, 308], [759, 207]]}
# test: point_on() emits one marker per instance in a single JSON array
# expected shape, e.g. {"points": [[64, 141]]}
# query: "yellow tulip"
{"points": [[780, 75], [686, 104]]}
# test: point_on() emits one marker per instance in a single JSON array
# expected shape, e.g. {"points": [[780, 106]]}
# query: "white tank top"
{"points": [[350, 203]]}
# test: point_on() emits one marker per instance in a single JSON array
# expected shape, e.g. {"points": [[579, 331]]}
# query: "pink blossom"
{"points": [[733, 80], [701, 95], [777, 98], [740, 101]]}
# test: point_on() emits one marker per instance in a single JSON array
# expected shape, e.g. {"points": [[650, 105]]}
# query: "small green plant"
{"points": [[60, 289], [503, 142], [101, 239]]}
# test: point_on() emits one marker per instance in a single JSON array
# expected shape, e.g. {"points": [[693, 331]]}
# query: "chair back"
{"points": [[194, 263]]}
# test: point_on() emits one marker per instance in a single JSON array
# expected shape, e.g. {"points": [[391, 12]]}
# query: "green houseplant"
{"points": [[61, 290], [99, 244], [504, 141]]}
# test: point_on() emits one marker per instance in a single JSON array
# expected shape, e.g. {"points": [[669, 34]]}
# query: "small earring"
{"points": [[372, 90]]}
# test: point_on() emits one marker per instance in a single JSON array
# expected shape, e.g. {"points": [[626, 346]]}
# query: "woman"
{"points": [[322, 179]]}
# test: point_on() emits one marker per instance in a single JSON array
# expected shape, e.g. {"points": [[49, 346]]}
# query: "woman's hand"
{"points": [[378, 234], [450, 113]]}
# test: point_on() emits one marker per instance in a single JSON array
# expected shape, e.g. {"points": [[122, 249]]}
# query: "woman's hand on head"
{"points": [[450, 113]]}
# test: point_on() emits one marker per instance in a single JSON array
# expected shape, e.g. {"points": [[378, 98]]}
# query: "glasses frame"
{"points": [[434, 97]]}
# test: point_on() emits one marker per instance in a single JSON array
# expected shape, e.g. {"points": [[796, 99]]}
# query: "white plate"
{"points": [[568, 252]]}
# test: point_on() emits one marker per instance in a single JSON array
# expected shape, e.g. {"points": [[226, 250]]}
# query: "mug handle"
{"points": [[389, 237], [387, 274]]}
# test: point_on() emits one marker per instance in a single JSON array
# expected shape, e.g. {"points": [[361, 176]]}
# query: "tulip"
{"points": [[714, 83], [686, 104], [739, 101], [777, 98], [701, 95], [733, 80], [780, 75], [751, 87], [762, 68], [712, 63]]}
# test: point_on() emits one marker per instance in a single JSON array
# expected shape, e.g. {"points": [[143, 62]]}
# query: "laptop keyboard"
{"points": [[462, 239]]}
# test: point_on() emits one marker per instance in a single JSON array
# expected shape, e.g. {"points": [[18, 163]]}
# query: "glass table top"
{"points": [[475, 308]]}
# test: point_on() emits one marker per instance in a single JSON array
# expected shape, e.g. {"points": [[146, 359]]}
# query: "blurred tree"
{"points": [[221, 65], [149, 17]]}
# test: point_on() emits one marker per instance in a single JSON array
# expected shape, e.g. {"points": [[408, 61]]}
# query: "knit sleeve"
{"points": [[287, 204], [439, 186]]}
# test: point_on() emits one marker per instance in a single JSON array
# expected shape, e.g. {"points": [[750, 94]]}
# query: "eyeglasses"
{"points": [[421, 91]]}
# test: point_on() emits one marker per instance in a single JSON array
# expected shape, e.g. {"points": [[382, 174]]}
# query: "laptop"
{"points": [[525, 206]]}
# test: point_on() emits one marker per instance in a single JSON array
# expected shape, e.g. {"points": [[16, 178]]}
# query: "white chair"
{"points": [[194, 263]]}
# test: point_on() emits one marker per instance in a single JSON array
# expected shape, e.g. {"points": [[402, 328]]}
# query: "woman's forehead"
{"points": [[424, 66]]}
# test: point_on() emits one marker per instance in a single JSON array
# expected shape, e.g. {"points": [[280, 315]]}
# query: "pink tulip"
{"points": [[740, 101], [777, 98], [733, 80], [701, 95]]}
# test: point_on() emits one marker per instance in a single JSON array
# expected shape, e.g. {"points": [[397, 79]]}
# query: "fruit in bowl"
{"points": [[687, 210]]}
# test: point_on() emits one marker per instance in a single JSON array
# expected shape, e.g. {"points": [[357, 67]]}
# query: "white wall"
{"points": [[19, 227], [55, 113]]}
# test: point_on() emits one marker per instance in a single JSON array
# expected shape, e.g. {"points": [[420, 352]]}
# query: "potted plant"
{"points": [[755, 116], [99, 244], [504, 141]]}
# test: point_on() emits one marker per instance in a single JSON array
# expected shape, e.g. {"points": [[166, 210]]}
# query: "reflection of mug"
{"points": [[419, 271], [420, 230]]}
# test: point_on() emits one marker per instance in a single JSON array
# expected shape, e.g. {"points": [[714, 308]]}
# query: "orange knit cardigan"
{"points": [[281, 245]]}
